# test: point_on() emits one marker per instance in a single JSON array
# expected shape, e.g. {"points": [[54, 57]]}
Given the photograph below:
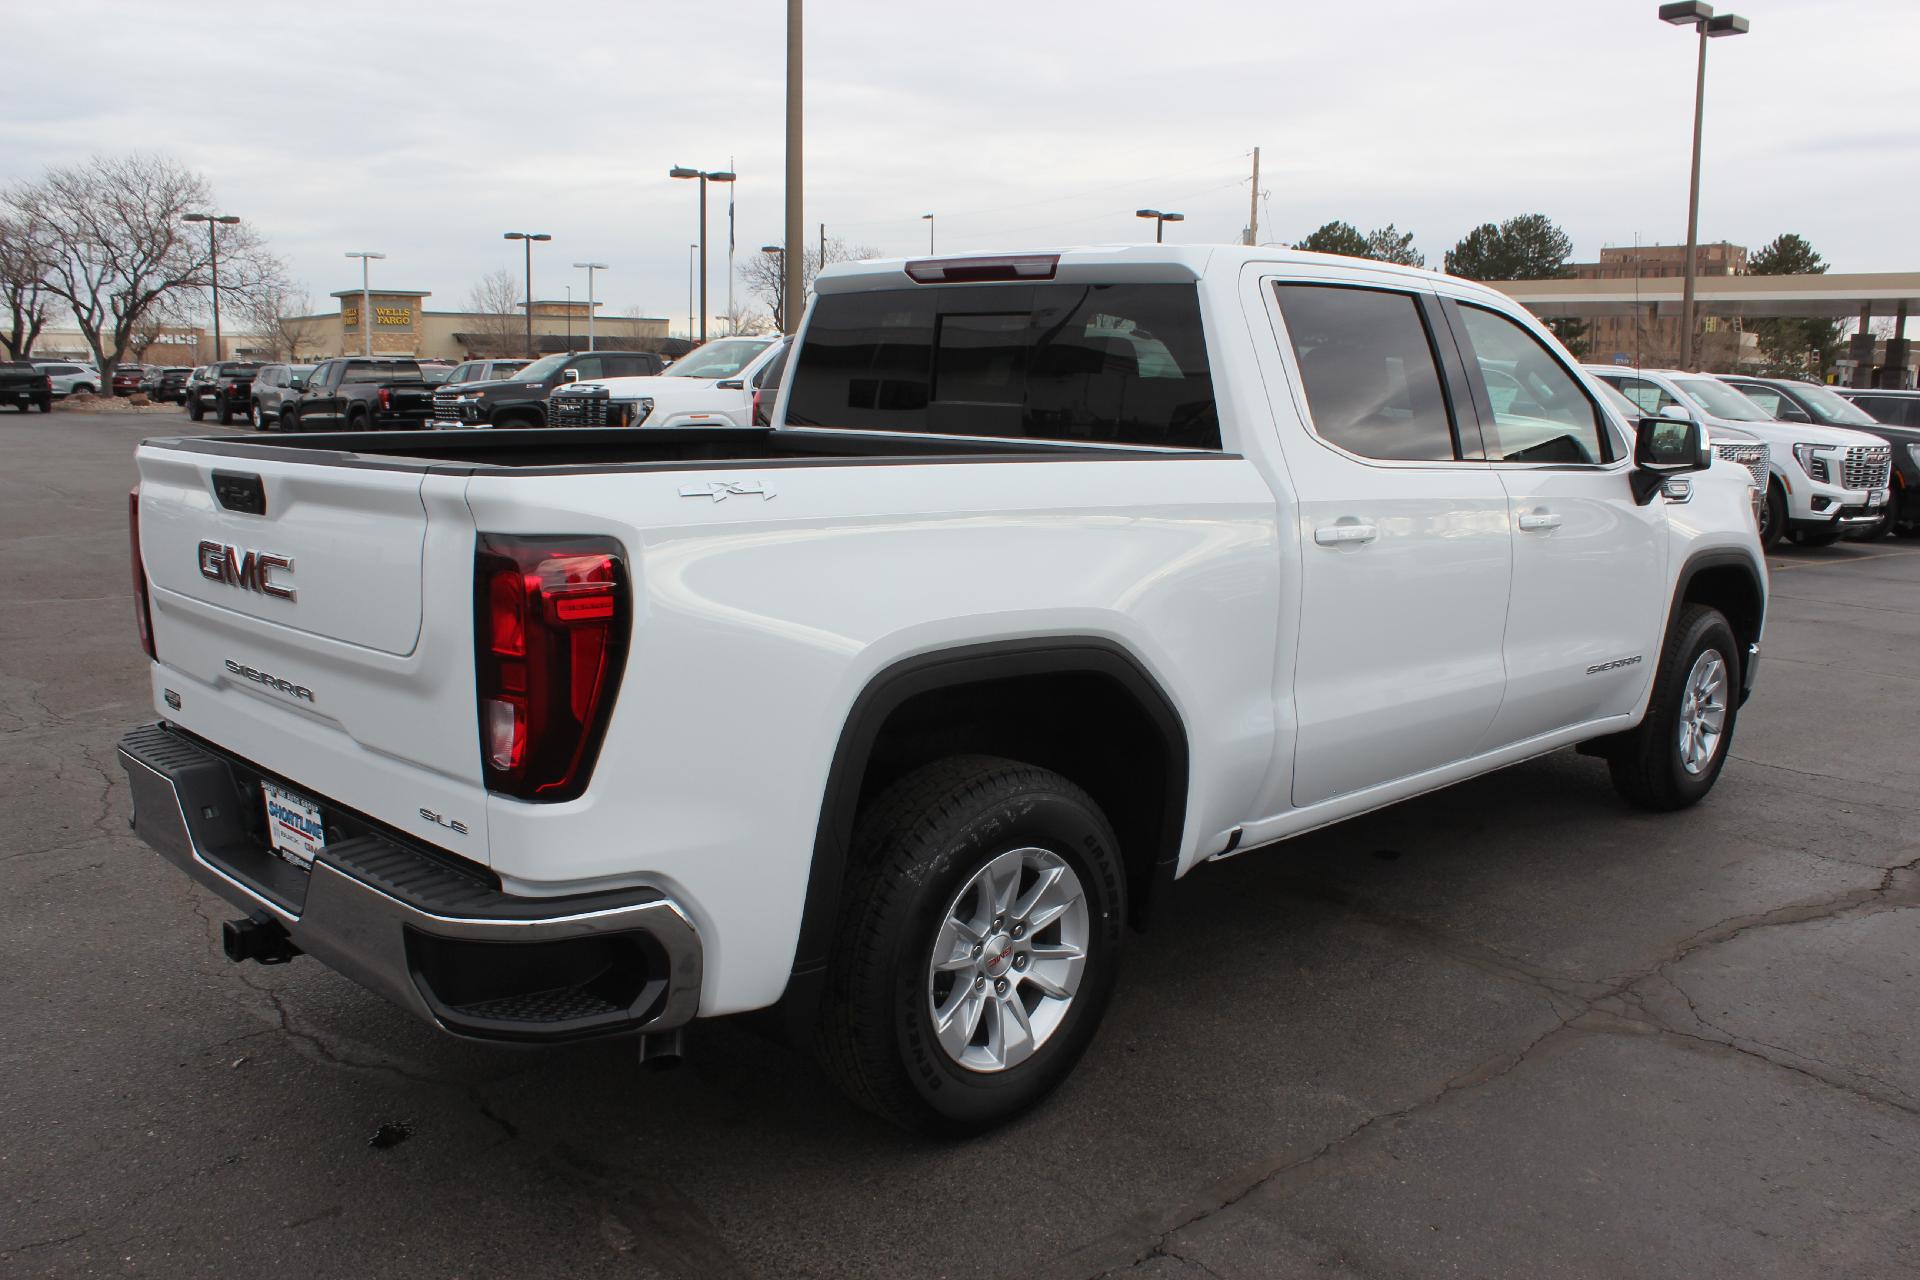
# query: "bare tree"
{"points": [[763, 272], [282, 317], [498, 327], [23, 287], [745, 318], [117, 248]]}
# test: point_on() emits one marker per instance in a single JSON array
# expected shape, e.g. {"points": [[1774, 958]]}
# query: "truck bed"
{"points": [[572, 449]]}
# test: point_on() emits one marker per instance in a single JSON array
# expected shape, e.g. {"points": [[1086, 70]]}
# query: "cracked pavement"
{"points": [[1510, 1029]]}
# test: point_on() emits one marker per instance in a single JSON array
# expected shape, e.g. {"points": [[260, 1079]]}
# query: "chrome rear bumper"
{"points": [[434, 938]]}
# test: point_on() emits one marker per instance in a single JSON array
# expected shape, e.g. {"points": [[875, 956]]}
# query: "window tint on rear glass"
{"points": [[1373, 387], [1114, 363], [1541, 413]]}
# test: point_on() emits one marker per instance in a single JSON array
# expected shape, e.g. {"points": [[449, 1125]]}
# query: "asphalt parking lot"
{"points": [[1512, 1029]]}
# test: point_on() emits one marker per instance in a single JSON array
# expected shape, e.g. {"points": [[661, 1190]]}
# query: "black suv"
{"points": [[223, 388], [168, 384], [521, 401], [1792, 401]]}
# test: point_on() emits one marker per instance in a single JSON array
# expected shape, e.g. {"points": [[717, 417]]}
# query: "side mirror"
{"points": [[1665, 447], [731, 384], [569, 375], [1678, 412]]}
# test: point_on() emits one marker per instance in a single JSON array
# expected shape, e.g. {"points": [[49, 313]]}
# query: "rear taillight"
{"points": [[142, 612], [760, 418], [551, 622], [386, 399]]}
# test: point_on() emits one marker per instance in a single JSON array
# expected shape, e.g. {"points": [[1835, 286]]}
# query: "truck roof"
{"points": [[1113, 263]]}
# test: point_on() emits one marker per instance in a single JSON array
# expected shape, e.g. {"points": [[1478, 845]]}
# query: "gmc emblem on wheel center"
{"points": [[251, 570]]}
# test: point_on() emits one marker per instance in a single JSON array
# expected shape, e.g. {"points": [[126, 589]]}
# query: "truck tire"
{"points": [[978, 943], [1773, 516], [194, 410], [357, 420], [289, 421], [1672, 758], [255, 418]]}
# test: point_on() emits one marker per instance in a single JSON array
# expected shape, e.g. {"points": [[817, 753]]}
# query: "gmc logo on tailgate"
{"points": [[251, 570]]}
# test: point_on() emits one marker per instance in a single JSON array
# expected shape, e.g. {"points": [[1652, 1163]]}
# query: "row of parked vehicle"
{"points": [[727, 382], [1841, 462]]}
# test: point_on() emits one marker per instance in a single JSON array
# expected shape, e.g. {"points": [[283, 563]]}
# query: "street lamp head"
{"points": [[226, 219], [1146, 213], [681, 171], [1686, 13], [366, 255], [196, 217], [926, 217], [1173, 217], [541, 236], [1728, 24], [773, 248], [721, 176], [596, 266]]}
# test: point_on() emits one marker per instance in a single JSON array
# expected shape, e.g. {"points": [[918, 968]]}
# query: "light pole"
{"points": [[591, 268], [1699, 16], [705, 176], [928, 219], [366, 303], [529, 237], [1160, 220], [777, 253], [796, 226], [693, 251], [213, 253]]}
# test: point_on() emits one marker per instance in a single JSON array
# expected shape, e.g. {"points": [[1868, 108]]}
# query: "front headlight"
{"points": [[1913, 451], [638, 411], [1808, 456]]}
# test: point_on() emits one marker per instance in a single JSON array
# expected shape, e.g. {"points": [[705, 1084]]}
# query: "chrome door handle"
{"points": [[1334, 535], [1539, 520]]}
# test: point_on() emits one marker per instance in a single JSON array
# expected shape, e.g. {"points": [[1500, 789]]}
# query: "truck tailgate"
{"points": [[325, 635]]}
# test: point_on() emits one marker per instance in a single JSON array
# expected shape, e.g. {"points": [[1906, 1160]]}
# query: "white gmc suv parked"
{"points": [[1826, 481], [1056, 576]]}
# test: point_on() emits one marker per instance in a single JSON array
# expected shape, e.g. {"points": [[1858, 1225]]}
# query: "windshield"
{"points": [[1721, 400], [1835, 409], [720, 359], [542, 369]]}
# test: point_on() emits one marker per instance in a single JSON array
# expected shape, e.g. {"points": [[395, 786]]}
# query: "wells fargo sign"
{"points": [[387, 317]]}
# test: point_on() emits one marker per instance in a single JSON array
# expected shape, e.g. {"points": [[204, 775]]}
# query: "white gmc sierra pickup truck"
{"points": [[1056, 576]]}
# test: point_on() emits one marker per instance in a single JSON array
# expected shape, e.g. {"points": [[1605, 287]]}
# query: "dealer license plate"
{"points": [[293, 825]]}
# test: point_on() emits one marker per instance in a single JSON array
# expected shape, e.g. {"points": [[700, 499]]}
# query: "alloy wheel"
{"points": [[1703, 712], [1007, 959]]}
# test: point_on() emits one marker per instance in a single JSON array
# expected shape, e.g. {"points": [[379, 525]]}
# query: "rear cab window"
{"points": [[1369, 369], [1099, 363]]}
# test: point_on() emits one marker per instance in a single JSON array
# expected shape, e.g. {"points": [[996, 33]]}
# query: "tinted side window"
{"points": [[1767, 398], [630, 366], [769, 375], [1894, 410], [1541, 413], [1367, 362], [1120, 363], [589, 368]]}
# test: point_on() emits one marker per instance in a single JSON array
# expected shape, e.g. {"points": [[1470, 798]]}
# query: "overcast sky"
{"points": [[425, 129]]}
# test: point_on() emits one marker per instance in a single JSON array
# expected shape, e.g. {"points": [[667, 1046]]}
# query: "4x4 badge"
{"points": [[721, 490]]}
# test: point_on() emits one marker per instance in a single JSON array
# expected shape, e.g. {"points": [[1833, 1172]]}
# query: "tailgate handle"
{"points": [[240, 492]]}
